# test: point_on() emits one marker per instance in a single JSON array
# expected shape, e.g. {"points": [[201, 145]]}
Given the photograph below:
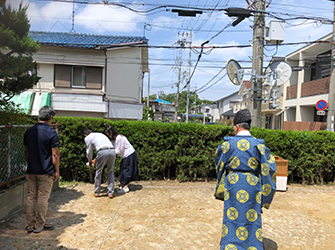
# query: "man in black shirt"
{"points": [[42, 154]]}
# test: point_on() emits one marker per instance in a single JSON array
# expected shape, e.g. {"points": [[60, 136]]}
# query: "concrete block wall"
{"points": [[12, 200]]}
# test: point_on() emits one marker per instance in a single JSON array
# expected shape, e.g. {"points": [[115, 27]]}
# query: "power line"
{"points": [[185, 29], [147, 11], [211, 79], [198, 92]]}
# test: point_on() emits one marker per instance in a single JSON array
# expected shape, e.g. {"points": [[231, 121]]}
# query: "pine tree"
{"points": [[16, 49]]}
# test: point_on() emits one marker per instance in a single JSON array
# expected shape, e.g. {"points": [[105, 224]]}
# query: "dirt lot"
{"points": [[171, 215]]}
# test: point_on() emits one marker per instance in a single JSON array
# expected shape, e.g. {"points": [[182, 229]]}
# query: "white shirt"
{"points": [[96, 141], [244, 132], [123, 147]]}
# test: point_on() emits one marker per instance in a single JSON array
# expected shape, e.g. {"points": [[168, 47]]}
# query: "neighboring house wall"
{"points": [[104, 82], [54, 66], [124, 78], [309, 84], [162, 111], [225, 104]]}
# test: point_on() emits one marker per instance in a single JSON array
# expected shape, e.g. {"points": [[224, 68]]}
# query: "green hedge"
{"points": [[185, 151]]}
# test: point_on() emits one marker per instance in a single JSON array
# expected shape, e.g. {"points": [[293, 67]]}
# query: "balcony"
{"points": [[291, 92], [316, 87]]}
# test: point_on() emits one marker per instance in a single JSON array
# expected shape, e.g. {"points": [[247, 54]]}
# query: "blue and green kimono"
{"points": [[246, 173]]}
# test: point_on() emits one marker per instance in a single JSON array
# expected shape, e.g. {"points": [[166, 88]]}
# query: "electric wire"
{"points": [[280, 16], [198, 92], [199, 89]]}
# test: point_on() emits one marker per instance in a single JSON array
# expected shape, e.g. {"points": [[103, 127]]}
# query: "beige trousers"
{"points": [[39, 189]]}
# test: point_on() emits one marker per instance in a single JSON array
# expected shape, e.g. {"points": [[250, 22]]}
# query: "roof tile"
{"points": [[79, 40]]}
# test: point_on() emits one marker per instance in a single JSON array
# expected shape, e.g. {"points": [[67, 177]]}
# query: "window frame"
{"points": [[91, 76], [83, 77]]}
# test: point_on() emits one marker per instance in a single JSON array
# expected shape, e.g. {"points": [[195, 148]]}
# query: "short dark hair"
{"points": [[45, 113], [244, 125], [86, 132]]}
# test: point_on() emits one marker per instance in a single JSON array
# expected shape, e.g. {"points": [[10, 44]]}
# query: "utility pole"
{"points": [[195, 94], [72, 30], [177, 98], [331, 100], [189, 75], [148, 87], [257, 61]]}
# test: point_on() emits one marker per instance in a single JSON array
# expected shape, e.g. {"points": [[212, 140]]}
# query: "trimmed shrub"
{"points": [[185, 151]]}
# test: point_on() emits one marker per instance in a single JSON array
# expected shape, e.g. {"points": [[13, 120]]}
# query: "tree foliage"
{"points": [[182, 101], [16, 49]]}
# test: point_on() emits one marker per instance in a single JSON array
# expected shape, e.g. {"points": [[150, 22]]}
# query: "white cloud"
{"points": [[306, 33], [56, 16], [110, 18]]}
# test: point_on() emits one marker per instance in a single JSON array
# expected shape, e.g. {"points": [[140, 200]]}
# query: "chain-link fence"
{"points": [[13, 164]]}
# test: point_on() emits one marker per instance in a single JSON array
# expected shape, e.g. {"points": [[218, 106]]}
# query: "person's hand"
{"points": [[56, 176], [92, 163]]}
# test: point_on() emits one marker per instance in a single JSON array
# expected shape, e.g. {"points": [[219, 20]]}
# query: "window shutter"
{"points": [[62, 76], [93, 78]]}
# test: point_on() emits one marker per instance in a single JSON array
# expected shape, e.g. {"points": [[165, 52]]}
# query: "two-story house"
{"points": [[224, 108], [163, 110], [309, 82], [90, 75]]}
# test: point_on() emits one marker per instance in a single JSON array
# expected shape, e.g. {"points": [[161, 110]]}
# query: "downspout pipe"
{"points": [[106, 98]]}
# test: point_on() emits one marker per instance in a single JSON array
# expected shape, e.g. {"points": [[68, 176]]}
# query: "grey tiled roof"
{"points": [[228, 113], [78, 40]]}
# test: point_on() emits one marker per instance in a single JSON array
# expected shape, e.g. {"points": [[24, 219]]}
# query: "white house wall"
{"points": [[73, 56], [289, 115], [125, 111], [46, 72], [302, 109], [124, 82], [307, 113], [80, 114], [216, 114], [78, 103], [124, 77], [224, 105], [47, 57]]}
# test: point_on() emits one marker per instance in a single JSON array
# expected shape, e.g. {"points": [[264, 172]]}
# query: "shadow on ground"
{"points": [[14, 236], [269, 244]]}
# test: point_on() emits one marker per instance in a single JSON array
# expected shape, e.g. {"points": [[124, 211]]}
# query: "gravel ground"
{"points": [[171, 215]]}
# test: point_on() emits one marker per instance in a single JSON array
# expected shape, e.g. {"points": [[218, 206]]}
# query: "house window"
{"points": [[78, 77], [268, 122], [67, 76], [322, 67]]}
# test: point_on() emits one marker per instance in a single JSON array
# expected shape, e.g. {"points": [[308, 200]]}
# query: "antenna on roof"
{"points": [[72, 30]]}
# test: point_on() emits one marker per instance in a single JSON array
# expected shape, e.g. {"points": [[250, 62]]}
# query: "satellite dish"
{"points": [[278, 72], [275, 93], [234, 72]]}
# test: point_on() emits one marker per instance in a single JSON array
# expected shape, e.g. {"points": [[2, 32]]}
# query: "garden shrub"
{"points": [[185, 151]]}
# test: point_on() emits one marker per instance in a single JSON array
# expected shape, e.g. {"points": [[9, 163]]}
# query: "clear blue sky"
{"points": [[164, 28]]}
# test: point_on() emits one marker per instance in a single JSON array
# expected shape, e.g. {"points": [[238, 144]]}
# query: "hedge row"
{"points": [[185, 151]]}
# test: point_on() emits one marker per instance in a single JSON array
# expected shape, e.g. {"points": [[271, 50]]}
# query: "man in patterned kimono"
{"points": [[246, 182]]}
